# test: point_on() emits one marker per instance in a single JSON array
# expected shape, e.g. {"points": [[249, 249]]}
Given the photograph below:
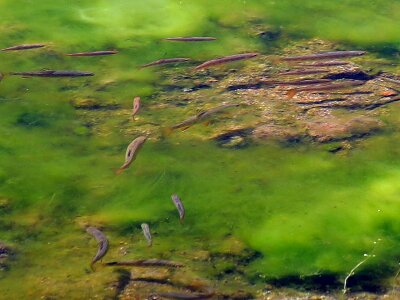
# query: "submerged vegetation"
{"points": [[278, 192]]}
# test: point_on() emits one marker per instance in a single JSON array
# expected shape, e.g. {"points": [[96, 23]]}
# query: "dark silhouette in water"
{"points": [[191, 39], [53, 73], [94, 53], [166, 61]]}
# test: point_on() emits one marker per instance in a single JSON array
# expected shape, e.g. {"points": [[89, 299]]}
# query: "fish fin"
{"points": [[119, 171], [291, 93], [167, 131]]}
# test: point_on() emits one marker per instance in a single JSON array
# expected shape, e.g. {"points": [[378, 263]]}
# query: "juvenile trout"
{"points": [[191, 39], [146, 263], [324, 87], [296, 82], [332, 63], [24, 47], [95, 53], [166, 61], [325, 55], [147, 233], [103, 244], [53, 73], [304, 72], [226, 59], [136, 107], [179, 206], [131, 152], [179, 296], [199, 117]]}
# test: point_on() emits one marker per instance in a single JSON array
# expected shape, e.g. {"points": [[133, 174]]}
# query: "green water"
{"points": [[304, 210]]}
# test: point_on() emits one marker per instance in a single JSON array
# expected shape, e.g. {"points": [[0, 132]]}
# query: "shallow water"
{"points": [[302, 210]]}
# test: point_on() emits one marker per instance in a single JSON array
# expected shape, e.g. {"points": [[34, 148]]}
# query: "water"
{"points": [[302, 210]]}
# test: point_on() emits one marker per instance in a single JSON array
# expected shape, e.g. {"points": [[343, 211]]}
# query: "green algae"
{"points": [[304, 210]]}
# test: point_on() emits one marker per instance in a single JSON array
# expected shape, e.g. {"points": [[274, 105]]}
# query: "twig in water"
{"points": [[352, 272]]}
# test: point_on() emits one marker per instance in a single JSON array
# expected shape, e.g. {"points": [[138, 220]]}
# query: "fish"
{"points": [[146, 263], [191, 39], [179, 206], [53, 73], [304, 72], [103, 244], [225, 59], [147, 233], [24, 47], [332, 63], [166, 61], [131, 152], [136, 107], [390, 80], [325, 87], [296, 82], [179, 296], [324, 55], [95, 53], [198, 118]]}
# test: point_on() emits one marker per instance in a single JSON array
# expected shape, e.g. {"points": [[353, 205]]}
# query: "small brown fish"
{"points": [[131, 152], [226, 59], [325, 55], [146, 263], [198, 118], [147, 233], [304, 72], [179, 296], [136, 107], [53, 73], [390, 80], [191, 39], [24, 47], [332, 63], [103, 244], [179, 206], [325, 87], [166, 61], [95, 53], [296, 82]]}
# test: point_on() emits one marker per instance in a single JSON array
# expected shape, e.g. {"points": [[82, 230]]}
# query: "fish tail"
{"points": [[92, 267], [167, 131], [291, 93], [119, 171]]}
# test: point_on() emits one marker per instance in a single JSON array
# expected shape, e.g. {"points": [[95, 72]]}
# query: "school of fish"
{"points": [[320, 63]]}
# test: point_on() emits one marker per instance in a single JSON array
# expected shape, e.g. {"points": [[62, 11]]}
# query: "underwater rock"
{"points": [[278, 133], [91, 103], [233, 139], [330, 129]]}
